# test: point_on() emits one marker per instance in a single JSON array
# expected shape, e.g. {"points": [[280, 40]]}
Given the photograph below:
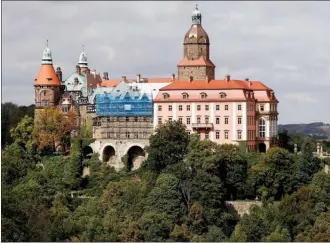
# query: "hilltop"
{"points": [[317, 130]]}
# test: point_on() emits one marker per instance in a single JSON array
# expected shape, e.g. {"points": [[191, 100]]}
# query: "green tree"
{"points": [[155, 226], [167, 146]]}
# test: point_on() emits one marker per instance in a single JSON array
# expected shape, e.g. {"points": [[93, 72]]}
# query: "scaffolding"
{"points": [[129, 104]]}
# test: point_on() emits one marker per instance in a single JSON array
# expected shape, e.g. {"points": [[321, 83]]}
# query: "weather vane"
{"points": [[196, 6], [47, 42], [83, 46]]}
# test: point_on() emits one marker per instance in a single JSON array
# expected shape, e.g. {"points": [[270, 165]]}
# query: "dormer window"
{"points": [[262, 107], [203, 95], [222, 95], [185, 96], [166, 96]]}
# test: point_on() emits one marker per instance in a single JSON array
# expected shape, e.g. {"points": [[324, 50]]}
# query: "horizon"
{"points": [[248, 40]]}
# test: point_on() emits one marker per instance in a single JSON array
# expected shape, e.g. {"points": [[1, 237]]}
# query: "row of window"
{"points": [[226, 135], [127, 135], [198, 120], [199, 107], [203, 95]]}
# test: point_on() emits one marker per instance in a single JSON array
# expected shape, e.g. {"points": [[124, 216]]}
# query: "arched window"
{"points": [[262, 128], [222, 95], [166, 96], [203, 95], [185, 96]]}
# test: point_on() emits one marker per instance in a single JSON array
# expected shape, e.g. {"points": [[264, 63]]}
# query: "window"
{"points": [[144, 134], [180, 107], [262, 107], [226, 120], [159, 120], [203, 96], [217, 135], [170, 108], [206, 107], [217, 107], [64, 109], [127, 134], [185, 96], [166, 96], [206, 120], [226, 134], [198, 107], [217, 120], [136, 135], [239, 107], [239, 120], [226, 107], [180, 119], [188, 120], [44, 103], [188, 132], [135, 119], [207, 136], [198, 120], [262, 128], [239, 134], [222, 95], [170, 119], [188, 107], [127, 119]]}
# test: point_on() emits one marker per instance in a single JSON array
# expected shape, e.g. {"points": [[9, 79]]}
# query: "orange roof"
{"points": [[109, 83], [200, 62], [47, 76], [215, 84]]}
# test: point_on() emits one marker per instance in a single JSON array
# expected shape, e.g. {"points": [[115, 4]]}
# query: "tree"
{"points": [[52, 126], [165, 197], [167, 146], [154, 226], [275, 171], [22, 134]]}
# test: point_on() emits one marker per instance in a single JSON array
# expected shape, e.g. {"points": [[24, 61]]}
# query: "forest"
{"points": [[178, 194]]}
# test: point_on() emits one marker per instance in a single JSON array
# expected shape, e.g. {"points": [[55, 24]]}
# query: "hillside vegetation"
{"points": [[179, 193], [317, 130]]}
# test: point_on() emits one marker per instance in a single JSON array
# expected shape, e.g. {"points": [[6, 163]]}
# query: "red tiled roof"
{"points": [[215, 84], [47, 76], [200, 62]]}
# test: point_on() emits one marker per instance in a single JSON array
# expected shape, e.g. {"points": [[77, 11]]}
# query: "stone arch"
{"points": [[262, 147], [135, 156], [108, 153], [87, 152]]}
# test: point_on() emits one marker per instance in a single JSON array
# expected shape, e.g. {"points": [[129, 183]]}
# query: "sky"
{"points": [[285, 45]]}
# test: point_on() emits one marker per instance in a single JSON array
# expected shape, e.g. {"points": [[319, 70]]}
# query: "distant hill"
{"points": [[317, 130]]}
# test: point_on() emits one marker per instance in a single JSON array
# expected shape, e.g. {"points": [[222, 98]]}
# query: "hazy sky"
{"points": [[286, 45]]}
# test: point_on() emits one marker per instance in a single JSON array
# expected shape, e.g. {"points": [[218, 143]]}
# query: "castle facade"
{"points": [[124, 113]]}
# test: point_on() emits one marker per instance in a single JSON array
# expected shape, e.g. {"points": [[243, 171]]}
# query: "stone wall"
{"points": [[242, 207]]}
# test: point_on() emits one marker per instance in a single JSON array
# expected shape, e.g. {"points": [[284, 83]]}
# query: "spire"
{"points": [[47, 55], [196, 16], [83, 58]]}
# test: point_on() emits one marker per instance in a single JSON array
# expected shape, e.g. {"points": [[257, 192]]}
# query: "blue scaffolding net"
{"points": [[124, 104]]}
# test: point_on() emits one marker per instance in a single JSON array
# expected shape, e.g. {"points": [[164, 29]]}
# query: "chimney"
{"points": [[191, 78], [208, 79], [227, 77], [78, 69], [88, 71], [247, 80], [138, 77], [94, 73], [250, 83], [123, 78], [59, 73], [173, 77], [105, 76]]}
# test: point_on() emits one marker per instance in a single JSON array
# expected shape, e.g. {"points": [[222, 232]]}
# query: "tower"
{"points": [[83, 64], [196, 61], [47, 84]]}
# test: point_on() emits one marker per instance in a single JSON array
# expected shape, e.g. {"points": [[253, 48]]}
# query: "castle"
{"points": [[124, 113]]}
